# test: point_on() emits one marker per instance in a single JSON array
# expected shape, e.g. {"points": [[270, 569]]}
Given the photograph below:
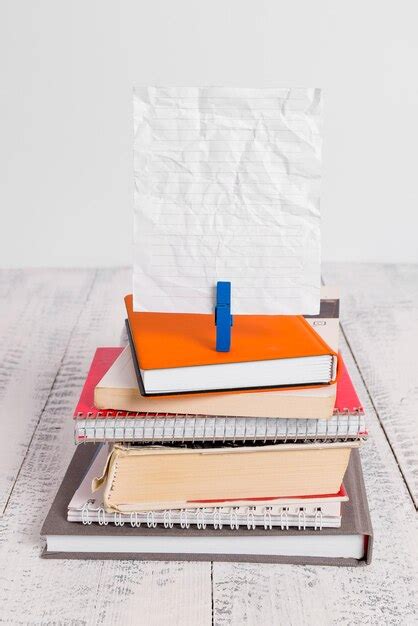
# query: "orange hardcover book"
{"points": [[175, 352]]}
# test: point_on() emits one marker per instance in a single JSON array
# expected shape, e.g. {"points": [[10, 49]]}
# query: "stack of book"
{"points": [[188, 453]]}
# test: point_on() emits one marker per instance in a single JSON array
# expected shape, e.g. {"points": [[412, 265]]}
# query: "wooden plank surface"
{"points": [[379, 315], [103, 592], [33, 591], [382, 593], [39, 310]]}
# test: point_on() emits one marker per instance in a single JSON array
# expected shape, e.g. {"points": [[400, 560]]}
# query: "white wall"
{"points": [[65, 112]]}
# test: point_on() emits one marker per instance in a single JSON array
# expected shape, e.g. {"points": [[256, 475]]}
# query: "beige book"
{"points": [[154, 478], [118, 390]]}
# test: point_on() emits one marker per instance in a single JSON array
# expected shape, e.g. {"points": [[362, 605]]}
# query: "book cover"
{"points": [[174, 340]]}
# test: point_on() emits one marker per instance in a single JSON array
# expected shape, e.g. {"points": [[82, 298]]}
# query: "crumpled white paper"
{"points": [[227, 185]]}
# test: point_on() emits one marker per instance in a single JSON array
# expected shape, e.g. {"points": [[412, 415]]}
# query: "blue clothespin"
{"points": [[223, 317]]}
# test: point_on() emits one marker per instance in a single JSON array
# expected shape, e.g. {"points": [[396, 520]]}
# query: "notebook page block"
{"points": [[227, 186]]}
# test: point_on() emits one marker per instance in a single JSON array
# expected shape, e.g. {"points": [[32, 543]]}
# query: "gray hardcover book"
{"points": [[349, 545]]}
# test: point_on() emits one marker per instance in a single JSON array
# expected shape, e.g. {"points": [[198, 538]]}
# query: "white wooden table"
{"points": [[51, 321]]}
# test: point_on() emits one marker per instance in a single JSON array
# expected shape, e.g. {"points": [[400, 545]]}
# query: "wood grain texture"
{"points": [[382, 593], [39, 309], [34, 591], [379, 316]]}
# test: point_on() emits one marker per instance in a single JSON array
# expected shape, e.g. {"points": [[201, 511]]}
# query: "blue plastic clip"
{"points": [[223, 317]]}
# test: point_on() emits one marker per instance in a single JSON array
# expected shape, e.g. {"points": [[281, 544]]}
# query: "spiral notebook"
{"points": [[317, 512], [349, 545], [92, 424]]}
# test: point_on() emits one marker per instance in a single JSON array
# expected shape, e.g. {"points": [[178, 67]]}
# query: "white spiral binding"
{"points": [[101, 517], [318, 516], [184, 522], [267, 518], [151, 523], [251, 518], [168, 523], [217, 521], [302, 519], [134, 520], [233, 519], [201, 519], [170, 428], [117, 519], [85, 514], [284, 516]]}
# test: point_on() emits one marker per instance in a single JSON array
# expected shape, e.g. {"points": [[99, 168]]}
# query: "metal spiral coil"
{"points": [[179, 428], [202, 518]]}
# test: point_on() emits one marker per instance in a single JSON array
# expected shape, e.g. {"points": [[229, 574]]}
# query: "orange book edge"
{"points": [[185, 333]]}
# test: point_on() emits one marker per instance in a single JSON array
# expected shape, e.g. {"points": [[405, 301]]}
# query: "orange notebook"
{"points": [[175, 353]]}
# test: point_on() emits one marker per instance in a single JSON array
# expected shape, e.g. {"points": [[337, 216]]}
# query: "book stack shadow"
{"points": [[183, 453]]}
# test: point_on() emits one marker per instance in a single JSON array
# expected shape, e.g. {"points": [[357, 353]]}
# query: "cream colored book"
{"points": [[118, 390], [154, 478], [316, 512]]}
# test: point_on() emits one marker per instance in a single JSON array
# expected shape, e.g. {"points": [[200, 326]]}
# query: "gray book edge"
{"points": [[355, 520]]}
